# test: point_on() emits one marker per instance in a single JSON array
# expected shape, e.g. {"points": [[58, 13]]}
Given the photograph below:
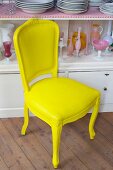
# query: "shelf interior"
{"points": [[92, 13]]}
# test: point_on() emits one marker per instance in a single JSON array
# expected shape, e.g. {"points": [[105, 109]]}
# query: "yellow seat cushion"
{"points": [[60, 98]]}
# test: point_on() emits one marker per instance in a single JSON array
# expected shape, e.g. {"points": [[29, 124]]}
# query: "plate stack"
{"points": [[107, 8], [34, 6], [95, 3], [72, 6]]}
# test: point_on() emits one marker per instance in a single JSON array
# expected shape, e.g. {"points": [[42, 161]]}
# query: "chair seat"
{"points": [[60, 98]]}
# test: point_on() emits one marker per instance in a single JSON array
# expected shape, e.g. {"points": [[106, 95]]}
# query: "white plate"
{"points": [[72, 5], [34, 9], [71, 12], [71, 1], [77, 1], [96, 1], [107, 6], [30, 6], [35, 1], [105, 12], [34, 12], [21, 3], [63, 4], [95, 4], [73, 9]]}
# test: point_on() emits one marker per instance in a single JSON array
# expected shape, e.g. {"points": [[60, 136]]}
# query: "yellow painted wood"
{"points": [[56, 132], [93, 119], [26, 119], [55, 100]]}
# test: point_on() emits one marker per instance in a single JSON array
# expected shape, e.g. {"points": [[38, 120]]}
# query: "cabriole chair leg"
{"points": [[26, 120], [56, 133], [93, 119]]}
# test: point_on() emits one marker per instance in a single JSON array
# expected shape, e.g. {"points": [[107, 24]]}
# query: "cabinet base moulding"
{"points": [[11, 112], [106, 107], [18, 112]]}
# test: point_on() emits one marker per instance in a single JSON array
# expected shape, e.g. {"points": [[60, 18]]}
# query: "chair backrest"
{"points": [[36, 47]]}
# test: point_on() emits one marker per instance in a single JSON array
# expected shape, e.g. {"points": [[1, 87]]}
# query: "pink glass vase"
{"points": [[70, 48], [78, 42], [7, 49], [100, 45], [96, 32]]}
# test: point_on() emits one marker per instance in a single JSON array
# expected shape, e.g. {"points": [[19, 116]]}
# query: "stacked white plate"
{"points": [[107, 8], [95, 3], [34, 6], [72, 6]]}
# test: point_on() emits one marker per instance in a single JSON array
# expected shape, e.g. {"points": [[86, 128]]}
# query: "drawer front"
{"points": [[11, 92], [62, 74], [103, 81]]}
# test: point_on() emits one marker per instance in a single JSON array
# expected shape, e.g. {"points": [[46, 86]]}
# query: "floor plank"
{"points": [[11, 153], [105, 128], [77, 151], [83, 147], [3, 165], [108, 117], [29, 145], [100, 144], [43, 132]]}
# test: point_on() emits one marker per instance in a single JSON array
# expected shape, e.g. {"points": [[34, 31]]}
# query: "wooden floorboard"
{"points": [[11, 153], [77, 151], [2, 164], [86, 149], [101, 146], [43, 132]]}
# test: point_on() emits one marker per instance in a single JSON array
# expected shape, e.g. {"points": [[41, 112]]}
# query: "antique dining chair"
{"points": [[55, 100]]}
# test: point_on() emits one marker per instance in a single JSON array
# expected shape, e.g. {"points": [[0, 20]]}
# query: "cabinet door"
{"points": [[11, 93], [62, 74], [109, 87], [102, 81]]}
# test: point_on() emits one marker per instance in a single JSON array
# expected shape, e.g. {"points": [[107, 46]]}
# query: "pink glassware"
{"points": [[78, 42], [70, 48], [7, 48], [96, 32], [61, 34], [88, 30], [100, 45]]}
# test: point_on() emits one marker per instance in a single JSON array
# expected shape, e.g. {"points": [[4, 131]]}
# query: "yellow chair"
{"points": [[55, 100]]}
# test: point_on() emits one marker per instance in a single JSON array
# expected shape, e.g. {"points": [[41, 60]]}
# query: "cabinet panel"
{"points": [[11, 94], [102, 81], [109, 86], [62, 74]]}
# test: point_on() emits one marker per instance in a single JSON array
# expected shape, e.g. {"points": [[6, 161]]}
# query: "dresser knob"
{"points": [[105, 88], [106, 74]]}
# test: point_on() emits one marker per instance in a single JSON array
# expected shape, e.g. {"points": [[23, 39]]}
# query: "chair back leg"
{"points": [[93, 118], [56, 134], [26, 120]]}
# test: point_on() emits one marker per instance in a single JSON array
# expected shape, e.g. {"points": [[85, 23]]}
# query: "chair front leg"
{"points": [[26, 120], [56, 133], [93, 118]]}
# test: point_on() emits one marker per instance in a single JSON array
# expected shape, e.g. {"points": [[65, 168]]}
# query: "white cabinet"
{"points": [[85, 68], [101, 80], [11, 93]]}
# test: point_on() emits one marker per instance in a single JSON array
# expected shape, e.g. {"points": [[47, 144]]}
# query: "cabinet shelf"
{"points": [[86, 68], [87, 62], [91, 14], [82, 63]]}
